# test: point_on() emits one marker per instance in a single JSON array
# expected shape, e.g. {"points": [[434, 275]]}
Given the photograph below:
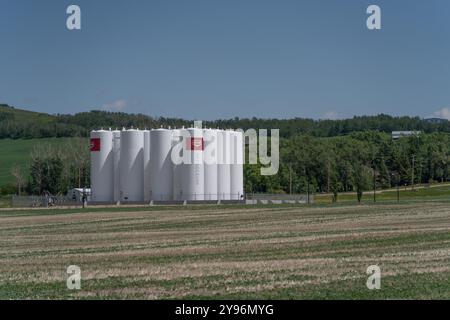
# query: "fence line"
{"points": [[43, 201]]}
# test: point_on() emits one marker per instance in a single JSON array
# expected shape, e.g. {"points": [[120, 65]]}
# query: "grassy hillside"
{"points": [[14, 152], [8, 112], [22, 124]]}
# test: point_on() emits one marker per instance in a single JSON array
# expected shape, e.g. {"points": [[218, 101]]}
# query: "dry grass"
{"points": [[283, 252]]}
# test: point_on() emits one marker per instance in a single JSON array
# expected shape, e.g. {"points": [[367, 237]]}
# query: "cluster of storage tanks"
{"points": [[166, 165]]}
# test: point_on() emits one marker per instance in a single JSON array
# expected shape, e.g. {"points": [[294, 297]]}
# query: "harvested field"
{"points": [[280, 252]]}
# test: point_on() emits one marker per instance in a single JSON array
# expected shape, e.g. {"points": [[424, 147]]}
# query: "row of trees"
{"points": [[354, 163], [15, 124], [55, 168], [288, 127], [13, 129], [333, 165]]}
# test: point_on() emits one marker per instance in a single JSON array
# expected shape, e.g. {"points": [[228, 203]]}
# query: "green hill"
{"points": [[22, 124], [10, 113], [17, 124]]}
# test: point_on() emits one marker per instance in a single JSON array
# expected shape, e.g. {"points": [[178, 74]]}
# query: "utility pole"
{"points": [[412, 171], [396, 178], [328, 174], [374, 186], [307, 182], [308, 191], [290, 178], [84, 197]]}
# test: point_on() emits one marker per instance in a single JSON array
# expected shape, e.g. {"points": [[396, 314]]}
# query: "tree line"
{"points": [[15, 125], [357, 162], [55, 169]]}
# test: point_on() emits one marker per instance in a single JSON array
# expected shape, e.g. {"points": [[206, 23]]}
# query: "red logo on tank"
{"points": [[196, 144], [95, 144]]}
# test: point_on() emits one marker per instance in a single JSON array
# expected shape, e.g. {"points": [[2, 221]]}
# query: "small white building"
{"points": [[399, 134], [76, 194]]}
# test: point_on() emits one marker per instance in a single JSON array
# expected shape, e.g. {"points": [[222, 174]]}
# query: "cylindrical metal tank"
{"points": [[177, 154], [210, 160], [241, 158], [236, 166], [192, 168], [147, 165], [223, 167], [102, 166], [161, 169], [116, 157], [132, 166]]}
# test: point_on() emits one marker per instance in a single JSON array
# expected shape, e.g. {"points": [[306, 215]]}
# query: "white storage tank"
{"points": [[223, 167], [132, 166], [161, 169], [210, 160], [192, 169], [136, 166], [236, 166], [240, 158], [177, 154], [116, 157], [147, 165], [102, 166]]}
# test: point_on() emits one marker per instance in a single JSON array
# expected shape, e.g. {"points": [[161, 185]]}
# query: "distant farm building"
{"points": [[400, 134], [436, 120]]}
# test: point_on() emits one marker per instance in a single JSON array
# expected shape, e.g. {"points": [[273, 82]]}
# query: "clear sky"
{"points": [[208, 59]]}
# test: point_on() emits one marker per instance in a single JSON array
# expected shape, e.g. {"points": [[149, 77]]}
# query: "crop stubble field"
{"points": [[280, 252]]}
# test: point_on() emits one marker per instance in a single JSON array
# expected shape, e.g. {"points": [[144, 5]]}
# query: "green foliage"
{"points": [[341, 164], [332, 165], [56, 169], [17, 152], [329, 156], [7, 189], [16, 123]]}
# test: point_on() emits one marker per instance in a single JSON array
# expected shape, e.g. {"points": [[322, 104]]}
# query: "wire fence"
{"points": [[43, 201], [250, 198], [279, 198], [198, 197]]}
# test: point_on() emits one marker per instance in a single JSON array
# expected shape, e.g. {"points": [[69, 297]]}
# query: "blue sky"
{"points": [[209, 59]]}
